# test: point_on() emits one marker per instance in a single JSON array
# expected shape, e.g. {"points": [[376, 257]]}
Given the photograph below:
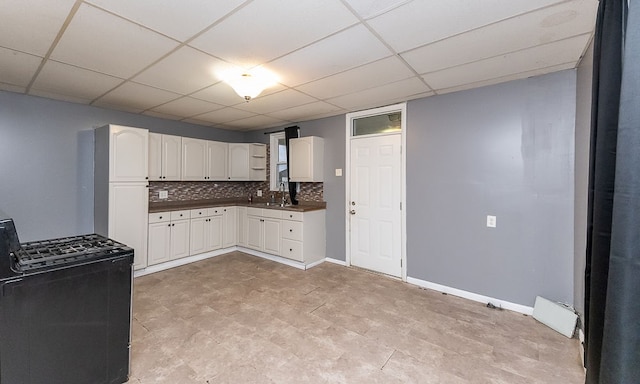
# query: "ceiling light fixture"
{"points": [[249, 84]]}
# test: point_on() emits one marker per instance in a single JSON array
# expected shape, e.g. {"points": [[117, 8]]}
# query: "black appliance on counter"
{"points": [[65, 309]]}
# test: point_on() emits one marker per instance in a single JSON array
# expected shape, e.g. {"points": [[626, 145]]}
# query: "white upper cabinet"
{"points": [[165, 157], [217, 160], [247, 161], [128, 153], [239, 161], [258, 162], [194, 153], [306, 158]]}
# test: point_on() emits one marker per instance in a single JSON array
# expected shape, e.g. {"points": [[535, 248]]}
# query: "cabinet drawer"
{"points": [[292, 230], [159, 217], [215, 211], [291, 249], [254, 211], [272, 213], [201, 212], [179, 215], [288, 215]]}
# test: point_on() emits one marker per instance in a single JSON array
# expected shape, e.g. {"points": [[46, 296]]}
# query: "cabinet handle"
{"points": [[290, 249], [160, 217], [168, 225], [173, 225], [291, 216], [291, 230]]}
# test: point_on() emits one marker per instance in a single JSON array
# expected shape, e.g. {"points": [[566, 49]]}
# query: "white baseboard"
{"points": [[336, 261], [277, 259], [471, 296], [186, 260]]}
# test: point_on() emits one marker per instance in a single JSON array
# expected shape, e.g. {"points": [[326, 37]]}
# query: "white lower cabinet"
{"points": [[229, 227], [168, 236], [263, 230], [206, 230], [242, 226], [303, 236]]}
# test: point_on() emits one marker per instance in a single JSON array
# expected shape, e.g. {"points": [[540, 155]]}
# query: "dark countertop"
{"points": [[163, 206]]}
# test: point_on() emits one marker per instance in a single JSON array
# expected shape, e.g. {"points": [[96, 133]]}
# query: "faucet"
{"points": [[283, 202]]}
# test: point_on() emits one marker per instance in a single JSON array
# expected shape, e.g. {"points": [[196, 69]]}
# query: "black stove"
{"points": [[65, 251], [65, 309]]}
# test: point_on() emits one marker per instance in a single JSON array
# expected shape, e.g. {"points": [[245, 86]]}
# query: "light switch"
{"points": [[259, 193], [491, 221], [338, 171], [163, 194]]}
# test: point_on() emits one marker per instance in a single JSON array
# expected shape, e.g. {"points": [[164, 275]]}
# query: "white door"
{"points": [[272, 236], [374, 206], [159, 243], [193, 159], [179, 239], [238, 161], [155, 156], [214, 239], [217, 160], [129, 154], [230, 227], [198, 235]]}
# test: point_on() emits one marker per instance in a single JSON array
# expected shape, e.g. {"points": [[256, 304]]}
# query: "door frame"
{"points": [[402, 108]]}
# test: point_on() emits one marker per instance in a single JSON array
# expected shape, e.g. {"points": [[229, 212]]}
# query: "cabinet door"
{"points": [[159, 243], [217, 160], [193, 159], [272, 236], [179, 239], [242, 226], [128, 218], [254, 232], [239, 161], [230, 227], [155, 156], [128, 154], [198, 235], [171, 157], [215, 233]]}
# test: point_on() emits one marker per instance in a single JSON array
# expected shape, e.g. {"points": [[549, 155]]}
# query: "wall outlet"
{"points": [[163, 194], [491, 221], [338, 172], [259, 193]]}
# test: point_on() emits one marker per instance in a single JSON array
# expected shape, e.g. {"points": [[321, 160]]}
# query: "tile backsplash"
{"points": [[205, 190]]}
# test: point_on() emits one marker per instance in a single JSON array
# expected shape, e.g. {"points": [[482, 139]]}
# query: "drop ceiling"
{"points": [[163, 58]]}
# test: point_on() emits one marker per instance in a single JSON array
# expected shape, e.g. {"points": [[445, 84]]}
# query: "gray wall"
{"points": [[332, 130], [583, 130], [504, 150], [46, 160]]}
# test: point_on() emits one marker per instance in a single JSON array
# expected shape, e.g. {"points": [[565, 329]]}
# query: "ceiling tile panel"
{"points": [[266, 29], [367, 76], [17, 68], [161, 115], [178, 19], [59, 96], [67, 80], [281, 100], [32, 25], [184, 71], [137, 96], [301, 112], [382, 95], [105, 43], [540, 27], [420, 22], [370, 8], [348, 49], [187, 107], [255, 122], [223, 115], [502, 79], [542, 56]]}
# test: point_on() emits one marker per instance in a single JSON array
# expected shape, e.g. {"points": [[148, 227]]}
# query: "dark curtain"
{"points": [[612, 274], [291, 133]]}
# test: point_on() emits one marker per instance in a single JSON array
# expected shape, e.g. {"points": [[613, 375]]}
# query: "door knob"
{"points": [[353, 211]]}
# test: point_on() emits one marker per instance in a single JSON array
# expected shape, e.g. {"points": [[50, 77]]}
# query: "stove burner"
{"points": [[66, 250]]}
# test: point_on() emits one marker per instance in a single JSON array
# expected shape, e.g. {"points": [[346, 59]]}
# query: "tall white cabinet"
{"points": [[121, 187]]}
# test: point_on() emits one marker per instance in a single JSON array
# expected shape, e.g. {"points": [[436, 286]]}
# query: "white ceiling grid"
{"points": [[164, 57]]}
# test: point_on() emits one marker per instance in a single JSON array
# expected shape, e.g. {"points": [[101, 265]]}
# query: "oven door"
{"points": [[70, 325]]}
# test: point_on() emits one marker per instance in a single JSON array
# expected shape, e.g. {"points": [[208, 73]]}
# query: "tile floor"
{"points": [[237, 318]]}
